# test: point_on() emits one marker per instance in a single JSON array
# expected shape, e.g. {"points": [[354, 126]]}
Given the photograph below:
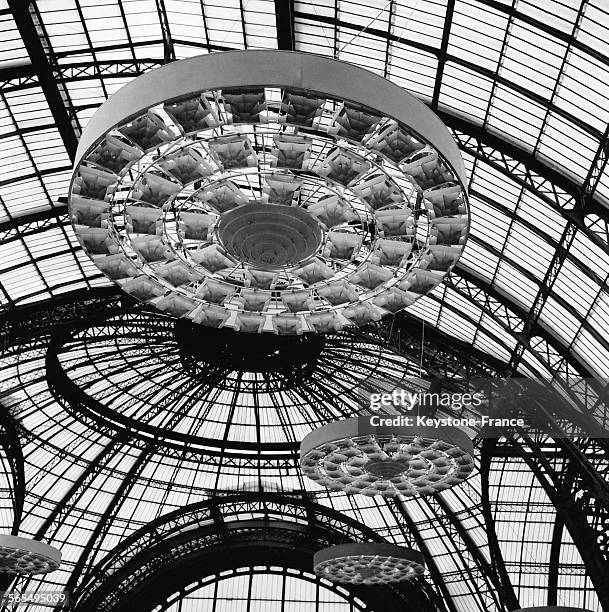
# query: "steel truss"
{"points": [[37, 44], [214, 529], [307, 376], [10, 446], [443, 356], [579, 490], [11, 456]]}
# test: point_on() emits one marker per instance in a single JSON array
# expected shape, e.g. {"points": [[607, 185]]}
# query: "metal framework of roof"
{"points": [[523, 85]]}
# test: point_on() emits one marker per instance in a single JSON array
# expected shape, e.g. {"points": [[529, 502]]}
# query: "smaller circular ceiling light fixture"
{"points": [[23, 557], [269, 191], [355, 457], [368, 563]]}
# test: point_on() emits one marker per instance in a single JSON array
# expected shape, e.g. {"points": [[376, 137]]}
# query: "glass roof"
{"points": [[531, 77], [273, 590], [524, 88]]}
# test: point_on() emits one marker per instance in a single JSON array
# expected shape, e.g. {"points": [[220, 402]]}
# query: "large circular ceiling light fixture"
{"points": [[353, 456], [269, 191], [24, 557], [368, 563]]}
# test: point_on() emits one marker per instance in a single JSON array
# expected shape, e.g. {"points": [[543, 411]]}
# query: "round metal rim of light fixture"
{"points": [[23, 557], [355, 457], [166, 159], [368, 563]]}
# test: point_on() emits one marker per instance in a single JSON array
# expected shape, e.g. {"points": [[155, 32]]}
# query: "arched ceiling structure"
{"points": [[521, 84]]}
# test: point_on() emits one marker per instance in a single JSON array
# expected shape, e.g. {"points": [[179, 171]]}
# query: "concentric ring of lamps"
{"points": [[269, 191], [23, 557], [368, 563], [353, 456]]}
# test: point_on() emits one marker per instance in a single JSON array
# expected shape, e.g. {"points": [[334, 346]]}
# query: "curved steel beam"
{"points": [[434, 570], [584, 536], [9, 441], [160, 544], [504, 584], [27, 21]]}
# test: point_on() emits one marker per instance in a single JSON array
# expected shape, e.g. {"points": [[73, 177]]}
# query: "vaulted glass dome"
{"points": [[143, 446]]}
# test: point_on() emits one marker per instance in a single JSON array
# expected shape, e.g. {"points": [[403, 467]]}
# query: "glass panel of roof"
{"points": [[567, 146], [104, 24], [60, 270], [47, 149], [225, 28], [491, 325], [528, 249], [364, 15], [532, 59], [602, 189], [529, 366], [599, 314], [465, 92], [421, 22], [575, 287], [477, 260], [63, 24], [142, 20], [89, 91], [489, 345], [22, 281], [515, 117], [494, 184], [488, 223], [592, 30], [260, 27], [534, 210], [414, 70], [50, 241], [318, 8], [16, 161], [186, 18], [584, 89], [460, 303], [457, 326], [477, 33], [28, 107], [7, 125], [591, 254], [514, 285], [427, 309], [364, 50], [560, 14], [587, 348], [557, 319], [12, 254], [12, 49], [313, 39], [24, 196], [56, 183]]}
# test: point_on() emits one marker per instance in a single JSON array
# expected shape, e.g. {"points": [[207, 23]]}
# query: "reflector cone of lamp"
{"points": [[355, 457], [256, 171]]}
